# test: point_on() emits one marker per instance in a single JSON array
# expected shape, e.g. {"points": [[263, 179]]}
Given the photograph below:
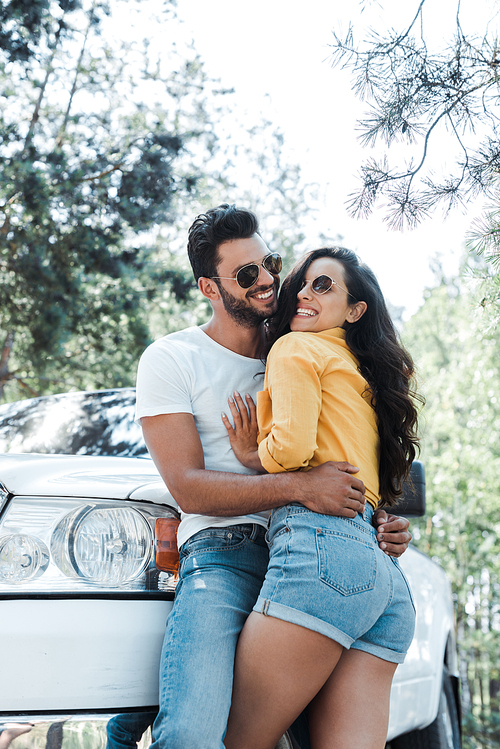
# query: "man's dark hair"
{"points": [[211, 229]]}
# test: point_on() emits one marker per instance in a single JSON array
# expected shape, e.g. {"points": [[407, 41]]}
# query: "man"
{"points": [[184, 381]]}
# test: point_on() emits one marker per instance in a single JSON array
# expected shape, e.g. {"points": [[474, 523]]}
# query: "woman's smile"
{"points": [[303, 311]]}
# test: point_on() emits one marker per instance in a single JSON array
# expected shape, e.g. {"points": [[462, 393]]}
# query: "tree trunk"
{"points": [[5, 375]]}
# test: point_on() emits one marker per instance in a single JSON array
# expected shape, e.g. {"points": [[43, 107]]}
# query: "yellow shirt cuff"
{"points": [[268, 462]]}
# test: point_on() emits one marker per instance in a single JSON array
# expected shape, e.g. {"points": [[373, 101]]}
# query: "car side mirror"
{"points": [[412, 503]]}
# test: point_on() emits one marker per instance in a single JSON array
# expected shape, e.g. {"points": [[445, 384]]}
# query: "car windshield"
{"points": [[94, 423]]}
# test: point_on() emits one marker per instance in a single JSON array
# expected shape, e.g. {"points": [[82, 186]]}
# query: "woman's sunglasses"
{"points": [[322, 284], [247, 276]]}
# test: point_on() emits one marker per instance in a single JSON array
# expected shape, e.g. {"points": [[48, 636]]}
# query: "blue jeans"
{"points": [[125, 730], [220, 574]]}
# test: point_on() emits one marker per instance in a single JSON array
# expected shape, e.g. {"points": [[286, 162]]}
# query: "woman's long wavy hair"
{"points": [[383, 362]]}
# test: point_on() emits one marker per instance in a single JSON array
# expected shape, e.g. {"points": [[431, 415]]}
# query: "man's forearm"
{"points": [[229, 494], [330, 489]]}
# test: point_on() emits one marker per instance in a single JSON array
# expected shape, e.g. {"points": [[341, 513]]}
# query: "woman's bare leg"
{"points": [[352, 709], [279, 668]]}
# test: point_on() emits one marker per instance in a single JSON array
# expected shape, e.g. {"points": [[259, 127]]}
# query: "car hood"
{"points": [[83, 476]]}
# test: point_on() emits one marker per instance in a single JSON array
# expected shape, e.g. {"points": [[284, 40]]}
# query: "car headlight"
{"points": [[22, 558], [65, 545]]}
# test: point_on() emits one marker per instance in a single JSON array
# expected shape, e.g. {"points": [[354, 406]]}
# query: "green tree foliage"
{"points": [[457, 350], [416, 91], [412, 89], [98, 138], [23, 22]]}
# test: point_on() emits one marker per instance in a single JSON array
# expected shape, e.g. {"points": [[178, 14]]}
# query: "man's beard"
{"points": [[241, 311]]}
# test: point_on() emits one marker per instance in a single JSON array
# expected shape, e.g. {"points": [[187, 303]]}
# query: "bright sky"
{"points": [[275, 54]]}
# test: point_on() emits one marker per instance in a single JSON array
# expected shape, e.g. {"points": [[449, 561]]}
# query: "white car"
{"points": [[83, 605]]}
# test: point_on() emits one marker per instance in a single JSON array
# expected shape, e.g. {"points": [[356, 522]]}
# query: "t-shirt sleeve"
{"points": [[163, 385], [294, 387]]}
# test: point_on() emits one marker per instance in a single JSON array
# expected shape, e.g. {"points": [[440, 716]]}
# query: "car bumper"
{"points": [[79, 655], [89, 730]]}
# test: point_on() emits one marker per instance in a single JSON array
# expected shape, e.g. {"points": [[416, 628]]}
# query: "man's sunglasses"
{"points": [[247, 276], [322, 284]]}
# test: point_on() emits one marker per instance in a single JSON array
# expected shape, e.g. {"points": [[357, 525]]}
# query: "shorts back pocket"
{"points": [[346, 563]]}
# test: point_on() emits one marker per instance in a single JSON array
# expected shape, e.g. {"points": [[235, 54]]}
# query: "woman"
{"points": [[335, 615]]}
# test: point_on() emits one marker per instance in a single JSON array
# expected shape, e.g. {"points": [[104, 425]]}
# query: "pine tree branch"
{"points": [[62, 129], [49, 70]]}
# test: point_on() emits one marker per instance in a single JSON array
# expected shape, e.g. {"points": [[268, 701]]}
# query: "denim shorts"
{"points": [[328, 574]]}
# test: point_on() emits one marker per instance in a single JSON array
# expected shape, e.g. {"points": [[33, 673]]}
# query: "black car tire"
{"points": [[443, 732]]}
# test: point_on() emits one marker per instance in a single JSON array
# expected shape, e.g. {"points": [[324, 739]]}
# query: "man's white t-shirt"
{"points": [[188, 372]]}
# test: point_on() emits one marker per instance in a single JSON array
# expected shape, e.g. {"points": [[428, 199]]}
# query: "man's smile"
{"points": [[265, 294]]}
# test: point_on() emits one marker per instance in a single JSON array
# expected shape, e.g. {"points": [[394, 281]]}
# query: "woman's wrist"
{"points": [[252, 460]]}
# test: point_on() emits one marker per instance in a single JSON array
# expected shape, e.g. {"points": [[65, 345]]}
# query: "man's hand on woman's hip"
{"points": [[331, 489], [393, 535]]}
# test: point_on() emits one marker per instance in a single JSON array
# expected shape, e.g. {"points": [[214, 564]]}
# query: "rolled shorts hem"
{"points": [[295, 616], [387, 655]]}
